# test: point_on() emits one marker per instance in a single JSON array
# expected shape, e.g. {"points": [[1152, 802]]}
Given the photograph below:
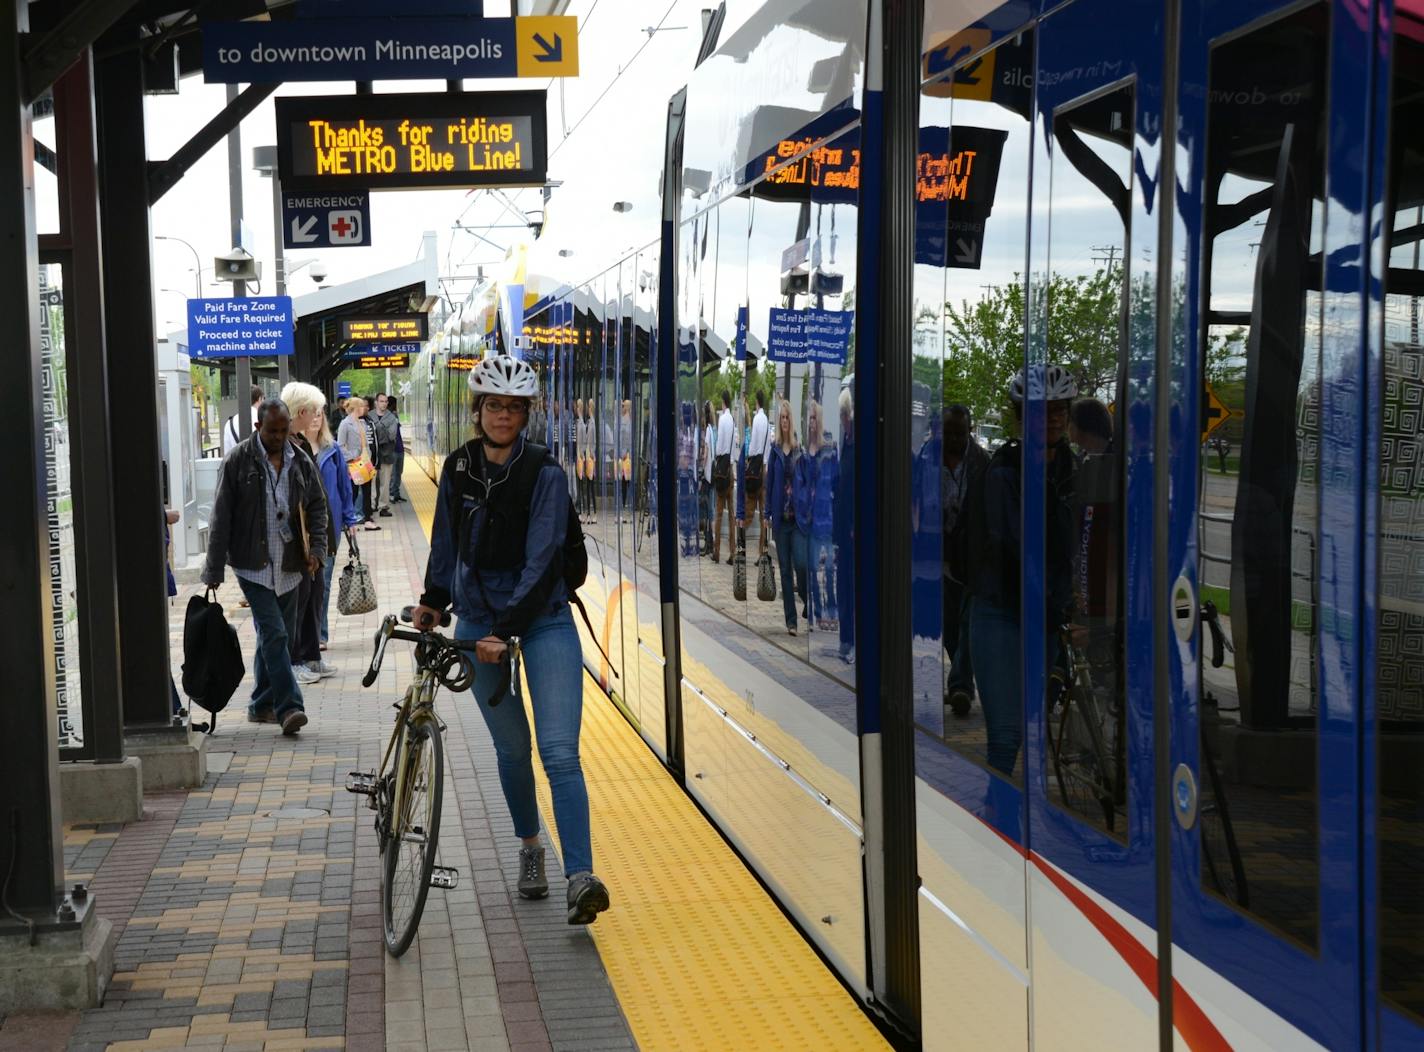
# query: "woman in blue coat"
{"points": [[341, 500]]}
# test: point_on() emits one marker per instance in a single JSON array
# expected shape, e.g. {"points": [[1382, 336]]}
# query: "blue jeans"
{"points": [[994, 642], [275, 618], [823, 546], [326, 574], [956, 637], [553, 663], [397, 469], [791, 557]]}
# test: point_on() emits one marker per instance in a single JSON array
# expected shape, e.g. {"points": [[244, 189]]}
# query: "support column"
{"points": [[90, 461], [172, 757], [50, 947]]}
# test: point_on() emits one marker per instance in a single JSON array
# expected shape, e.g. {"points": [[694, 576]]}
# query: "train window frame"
{"points": [[1212, 779]]}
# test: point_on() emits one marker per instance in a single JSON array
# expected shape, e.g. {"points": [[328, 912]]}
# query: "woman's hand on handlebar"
{"points": [[491, 650], [424, 617]]}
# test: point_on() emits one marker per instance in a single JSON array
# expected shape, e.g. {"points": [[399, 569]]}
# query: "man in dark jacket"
{"points": [[964, 460], [269, 522], [383, 452]]}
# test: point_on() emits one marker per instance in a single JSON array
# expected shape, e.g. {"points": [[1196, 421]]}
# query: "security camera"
{"points": [[318, 272], [236, 265]]}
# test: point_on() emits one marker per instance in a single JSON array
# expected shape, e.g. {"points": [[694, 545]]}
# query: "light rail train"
{"points": [[1182, 805]]}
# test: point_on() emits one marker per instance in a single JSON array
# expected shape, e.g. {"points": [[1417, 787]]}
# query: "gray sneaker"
{"points": [[532, 882], [587, 898], [305, 675], [322, 669]]}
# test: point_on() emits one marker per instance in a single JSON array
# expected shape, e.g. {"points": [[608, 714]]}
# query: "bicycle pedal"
{"points": [[363, 782], [445, 877]]}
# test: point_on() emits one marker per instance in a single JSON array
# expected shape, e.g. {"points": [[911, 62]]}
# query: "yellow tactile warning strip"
{"points": [[699, 956]]}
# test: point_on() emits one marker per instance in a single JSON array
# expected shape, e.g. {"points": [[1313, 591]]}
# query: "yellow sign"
{"points": [[547, 45], [379, 361], [974, 79], [1214, 411], [390, 328]]}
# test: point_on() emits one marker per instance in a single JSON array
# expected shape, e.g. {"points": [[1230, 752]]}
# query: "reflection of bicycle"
{"points": [[1085, 739], [1221, 858], [405, 792]]}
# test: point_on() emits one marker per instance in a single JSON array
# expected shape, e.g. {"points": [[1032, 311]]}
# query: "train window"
{"points": [[1400, 626], [643, 305], [1083, 382], [972, 227], [1259, 498], [694, 508]]}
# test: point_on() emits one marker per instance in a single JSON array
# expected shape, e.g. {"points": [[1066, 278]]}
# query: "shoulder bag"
{"points": [[357, 591]]}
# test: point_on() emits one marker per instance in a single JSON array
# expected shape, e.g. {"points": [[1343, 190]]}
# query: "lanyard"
{"points": [[272, 484]]}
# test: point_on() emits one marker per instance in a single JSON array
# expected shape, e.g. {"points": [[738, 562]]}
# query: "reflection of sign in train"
{"points": [[956, 178]]}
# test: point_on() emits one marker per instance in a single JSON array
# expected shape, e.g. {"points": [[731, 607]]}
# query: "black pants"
{"points": [[305, 645]]}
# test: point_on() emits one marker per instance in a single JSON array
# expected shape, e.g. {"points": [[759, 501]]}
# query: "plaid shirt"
{"points": [[272, 575]]}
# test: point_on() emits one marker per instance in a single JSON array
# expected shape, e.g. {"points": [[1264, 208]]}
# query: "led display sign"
{"points": [[412, 141], [378, 361], [384, 328]]}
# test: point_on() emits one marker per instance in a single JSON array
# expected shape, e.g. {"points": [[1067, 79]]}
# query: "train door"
{"points": [[1394, 558], [1263, 583], [1086, 419]]}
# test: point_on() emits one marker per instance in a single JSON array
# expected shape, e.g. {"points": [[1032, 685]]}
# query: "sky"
{"points": [[626, 77]]}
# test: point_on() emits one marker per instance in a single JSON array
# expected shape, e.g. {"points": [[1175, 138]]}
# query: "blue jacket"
{"points": [[507, 600], [800, 468], [340, 498]]}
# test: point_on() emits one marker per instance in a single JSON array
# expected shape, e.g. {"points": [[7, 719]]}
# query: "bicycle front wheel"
{"points": [[414, 834]]}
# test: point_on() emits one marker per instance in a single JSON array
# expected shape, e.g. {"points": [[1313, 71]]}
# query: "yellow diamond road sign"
{"points": [[547, 45], [1214, 412]]}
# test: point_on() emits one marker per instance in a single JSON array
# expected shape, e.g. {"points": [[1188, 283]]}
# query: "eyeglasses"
{"points": [[514, 408]]}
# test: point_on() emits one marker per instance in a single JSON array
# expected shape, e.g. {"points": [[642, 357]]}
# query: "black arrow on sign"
{"points": [[970, 73], [552, 52]]}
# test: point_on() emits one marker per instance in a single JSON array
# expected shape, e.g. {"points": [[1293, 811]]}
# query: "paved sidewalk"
{"points": [[249, 910]]}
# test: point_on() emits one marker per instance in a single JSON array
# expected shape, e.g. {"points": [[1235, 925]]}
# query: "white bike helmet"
{"points": [[503, 374], [1057, 385]]}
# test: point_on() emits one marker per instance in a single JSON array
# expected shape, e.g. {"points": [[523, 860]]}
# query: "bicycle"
{"points": [[1087, 748], [406, 790]]}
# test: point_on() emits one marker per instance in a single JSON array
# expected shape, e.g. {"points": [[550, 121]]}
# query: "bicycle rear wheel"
{"points": [[414, 834]]}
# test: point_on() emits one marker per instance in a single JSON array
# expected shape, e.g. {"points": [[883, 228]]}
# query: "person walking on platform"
{"points": [[386, 430], [497, 556], [269, 522], [312, 433], [825, 469], [788, 512], [351, 436], [233, 432], [398, 465], [722, 478]]}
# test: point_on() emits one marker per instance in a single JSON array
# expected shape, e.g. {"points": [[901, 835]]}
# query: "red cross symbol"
{"points": [[341, 226]]}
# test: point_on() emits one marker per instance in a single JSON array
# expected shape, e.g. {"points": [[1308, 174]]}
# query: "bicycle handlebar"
{"points": [[443, 654]]}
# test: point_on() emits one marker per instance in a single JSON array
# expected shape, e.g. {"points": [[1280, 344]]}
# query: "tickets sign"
{"points": [[412, 141]]}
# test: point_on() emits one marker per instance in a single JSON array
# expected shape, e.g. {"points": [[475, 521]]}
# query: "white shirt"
{"points": [[761, 435], [725, 433], [229, 438], [709, 439]]}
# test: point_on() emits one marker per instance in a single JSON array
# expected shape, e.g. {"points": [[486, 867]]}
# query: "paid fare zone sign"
{"points": [[412, 141]]}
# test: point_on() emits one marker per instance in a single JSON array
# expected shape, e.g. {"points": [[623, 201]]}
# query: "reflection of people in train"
{"points": [[625, 457], [843, 526], [964, 461], [704, 478], [788, 511], [722, 475], [687, 480], [925, 542], [758, 450], [995, 560], [1096, 518], [583, 459], [825, 474]]}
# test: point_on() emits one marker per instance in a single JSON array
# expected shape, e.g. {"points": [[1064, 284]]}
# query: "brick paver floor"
{"points": [[243, 926]]}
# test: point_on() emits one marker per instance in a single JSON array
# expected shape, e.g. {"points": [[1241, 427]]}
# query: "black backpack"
{"points": [[212, 656], [968, 543], [574, 557]]}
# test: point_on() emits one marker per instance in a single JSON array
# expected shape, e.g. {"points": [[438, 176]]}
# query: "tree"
{"points": [[984, 340]]}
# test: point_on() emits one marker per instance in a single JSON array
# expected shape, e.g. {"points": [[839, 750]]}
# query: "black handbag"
{"points": [[739, 575], [766, 579], [722, 472]]}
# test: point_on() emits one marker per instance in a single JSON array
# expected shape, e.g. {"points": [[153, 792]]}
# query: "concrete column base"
{"points": [[65, 969], [172, 759], [101, 792]]}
